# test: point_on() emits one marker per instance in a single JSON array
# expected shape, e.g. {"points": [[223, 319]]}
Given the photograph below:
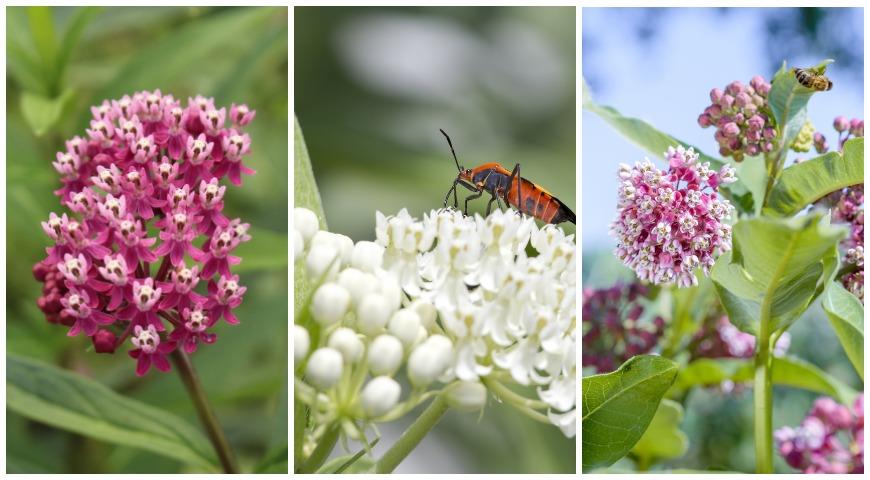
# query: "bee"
{"points": [[810, 79]]}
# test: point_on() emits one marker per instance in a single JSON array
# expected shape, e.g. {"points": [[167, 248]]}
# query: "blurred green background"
{"points": [[233, 54], [372, 87]]}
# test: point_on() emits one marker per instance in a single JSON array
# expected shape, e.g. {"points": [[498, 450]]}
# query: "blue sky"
{"points": [[666, 79]]}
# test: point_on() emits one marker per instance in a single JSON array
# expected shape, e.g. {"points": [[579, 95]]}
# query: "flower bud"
{"points": [[391, 290], [342, 243], [380, 395], [305, 222], [104, 341], [367, 256], [426, 311], [348, 343], [405, 325], [319, 259], [385, 355], [841, 124], [466, 396], [324, 368], [429, 360], [330, 303], [301, 342], [372, 314], [298, 245], [357, 283]]}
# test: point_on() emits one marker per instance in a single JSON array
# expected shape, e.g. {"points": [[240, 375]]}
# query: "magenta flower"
{"points": [[742, 117], [671, 222], [145, 251], [815, 446]]}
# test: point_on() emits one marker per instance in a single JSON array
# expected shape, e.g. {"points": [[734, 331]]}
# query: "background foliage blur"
{"points": [[372, 88], [655, 69], [60, 61]]}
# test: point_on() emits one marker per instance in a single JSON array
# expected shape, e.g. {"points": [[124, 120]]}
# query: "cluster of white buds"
{"points": [[461, 305]]}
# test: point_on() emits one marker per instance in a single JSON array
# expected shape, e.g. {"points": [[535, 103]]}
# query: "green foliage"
{"points": [[776, 269], [788, 99], [65, 400], [618, 407], [43, 113], [802, 184], [656, 143], [846, 314], [663, 439]]}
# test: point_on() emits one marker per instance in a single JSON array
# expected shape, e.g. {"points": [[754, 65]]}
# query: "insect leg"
{"points": [[515, 174], [472, 197], [489, 205], [447, 197]]}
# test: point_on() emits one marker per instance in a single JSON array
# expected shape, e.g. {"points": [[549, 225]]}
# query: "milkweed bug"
{"points": [[510, 186]]}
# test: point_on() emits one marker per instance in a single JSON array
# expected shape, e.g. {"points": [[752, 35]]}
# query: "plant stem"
{"points": [[321, 453], [412, 436], [205, 412], [763, 400]]}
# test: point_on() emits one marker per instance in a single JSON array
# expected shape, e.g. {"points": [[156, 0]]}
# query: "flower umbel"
{"points": [[147, 161], [816, 445], [670, 222]]}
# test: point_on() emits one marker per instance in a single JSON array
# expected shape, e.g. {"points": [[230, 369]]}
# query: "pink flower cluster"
{"points": [[741, 115], [671, 222], [148, 164], [845, 128], [615, 327], [814, 446], [719, 338], [849, 209]]}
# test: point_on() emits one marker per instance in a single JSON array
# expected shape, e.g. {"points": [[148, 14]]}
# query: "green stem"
{"points": [[412, 436], [321, 453], [204, 411], [763, 400]]}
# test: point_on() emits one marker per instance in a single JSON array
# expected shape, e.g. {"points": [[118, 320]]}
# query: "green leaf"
{"points": [[802, 184], [846, 314], [788, 99], [663, 439], [776, 269], [25, 68], [62, 399], [81, 17], [618, 407], [43, 113], [656, 143], [305, 195], [267, 250], [41, 24], [275, 461], [787, 371]]}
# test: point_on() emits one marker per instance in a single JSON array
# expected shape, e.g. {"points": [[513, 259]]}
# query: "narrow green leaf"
{"points": [[25, 68], [802, 184], [618, 407], [663, 439], [41, 24], [275, 461], [656, 143], [776, 269], [305, 195], [788, 99], [787, 371], [43, 113], [81, 17], [846, 314], [62, 399], [267, 250]]}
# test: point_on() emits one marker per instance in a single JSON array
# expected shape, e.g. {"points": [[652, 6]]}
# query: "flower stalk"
{"points": [[204, 411], [763, 403], [412, 436]]}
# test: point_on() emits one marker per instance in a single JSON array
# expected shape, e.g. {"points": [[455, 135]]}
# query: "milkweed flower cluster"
{"points": [[617, 326], [849, 209], [742, 118], [719, 338], [455, 300], [671, 222], [816, 445], [149, 163]]}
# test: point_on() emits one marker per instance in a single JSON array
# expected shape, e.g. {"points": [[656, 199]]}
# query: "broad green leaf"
{"points": [[656, 143], [663, 439], [43, 113], [618, 407], [802, 184], [846, 313], [64, 400], [305, 195], [267, 250], [787, 371], [776, 269], [788, 99], [41, 24]]}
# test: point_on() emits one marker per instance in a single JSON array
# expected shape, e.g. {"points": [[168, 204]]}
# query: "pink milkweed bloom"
{"points": [[145, 186]]}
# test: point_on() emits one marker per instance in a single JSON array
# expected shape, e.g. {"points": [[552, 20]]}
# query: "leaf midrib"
{"points": [[624, 390]]}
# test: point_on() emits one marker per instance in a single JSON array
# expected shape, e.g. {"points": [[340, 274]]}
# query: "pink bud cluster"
{"points": [[849, 209], [149, 163], [741, 115], [814, 446], [615, 327], [671, 222], [719, 338], [845, 128]]}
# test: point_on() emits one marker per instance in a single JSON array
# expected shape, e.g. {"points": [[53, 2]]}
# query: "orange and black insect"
{"points": [[510, 186]]}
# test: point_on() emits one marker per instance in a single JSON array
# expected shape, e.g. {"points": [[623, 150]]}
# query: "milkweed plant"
{"points": [[448, 311], [726, 253], [141, 260]]}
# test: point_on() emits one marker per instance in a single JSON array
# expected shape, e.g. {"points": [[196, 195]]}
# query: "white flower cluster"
{"points": [[453, 299]]}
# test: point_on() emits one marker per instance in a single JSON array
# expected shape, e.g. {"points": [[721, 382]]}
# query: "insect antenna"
{"points": [[451, 148]]}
